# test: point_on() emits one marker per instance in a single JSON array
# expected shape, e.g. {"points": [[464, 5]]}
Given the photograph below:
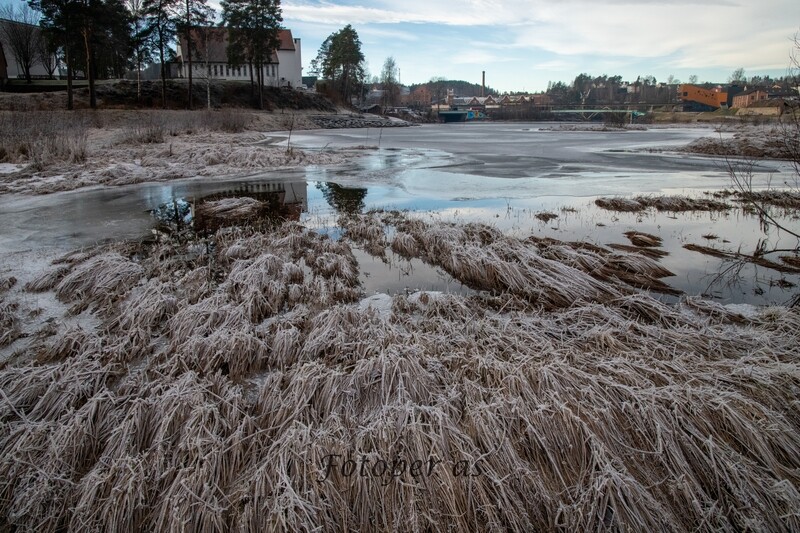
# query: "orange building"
{"points": [[715, 98]]}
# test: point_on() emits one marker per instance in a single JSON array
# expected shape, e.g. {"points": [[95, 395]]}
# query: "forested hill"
{"points": [[460, 87]]}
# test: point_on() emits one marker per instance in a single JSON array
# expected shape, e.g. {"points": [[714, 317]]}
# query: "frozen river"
{"points": [[501, 174]]}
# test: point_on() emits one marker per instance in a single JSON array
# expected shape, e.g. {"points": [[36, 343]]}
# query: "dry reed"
{"points": [[9, 323], [673, 204], [786, 267], [7, 283], [41, 138], [99, 281], [644, 240], [561, 399]]}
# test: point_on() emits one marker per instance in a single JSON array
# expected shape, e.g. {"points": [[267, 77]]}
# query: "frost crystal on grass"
{"points": [[559, 397]]}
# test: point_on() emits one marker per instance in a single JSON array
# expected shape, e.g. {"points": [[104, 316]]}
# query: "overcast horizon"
{"points": [[524, 44]]}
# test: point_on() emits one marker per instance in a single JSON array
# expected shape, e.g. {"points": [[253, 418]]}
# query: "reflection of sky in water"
{"points": [[437, 186], [580, 219]]}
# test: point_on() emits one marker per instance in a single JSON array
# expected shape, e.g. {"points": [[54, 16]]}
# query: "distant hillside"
{"points": [[460, 87]]}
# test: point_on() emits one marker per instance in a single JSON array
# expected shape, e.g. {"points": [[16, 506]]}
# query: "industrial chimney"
{"points": [[483, 83]]}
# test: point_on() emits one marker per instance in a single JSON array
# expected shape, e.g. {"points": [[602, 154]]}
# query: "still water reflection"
{"points": [[428, 185]]}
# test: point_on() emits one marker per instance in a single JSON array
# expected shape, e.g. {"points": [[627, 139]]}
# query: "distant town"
{"points": [[148, 41]]}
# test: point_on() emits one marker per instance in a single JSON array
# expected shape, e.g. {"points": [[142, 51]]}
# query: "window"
{"points": [[227, 70], [215, 70]]}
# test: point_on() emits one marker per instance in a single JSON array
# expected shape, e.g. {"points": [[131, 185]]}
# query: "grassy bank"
{"points": [[60, 150]]}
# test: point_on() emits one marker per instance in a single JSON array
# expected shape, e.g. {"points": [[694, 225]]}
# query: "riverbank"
{"points": [[239, 361], [50, 151]]}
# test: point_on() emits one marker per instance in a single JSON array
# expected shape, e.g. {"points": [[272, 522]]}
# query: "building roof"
{"points": [[218, 44], [287, 41], [751, 91]]}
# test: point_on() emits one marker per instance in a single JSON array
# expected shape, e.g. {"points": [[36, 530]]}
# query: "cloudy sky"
{"points": [[523, 44]]}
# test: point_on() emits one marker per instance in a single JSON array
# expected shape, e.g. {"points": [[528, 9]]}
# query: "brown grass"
{"points": [[156, 128], [787, 268], [653, 253], [644, 240], [776, 198], [673, 204], [99, 282], [7, 283], [9, 323], [216, 385], [42, 138], [791, 260]]}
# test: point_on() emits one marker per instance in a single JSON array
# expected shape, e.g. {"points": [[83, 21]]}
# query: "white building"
{"points": [[10, 67], [210, 58]]}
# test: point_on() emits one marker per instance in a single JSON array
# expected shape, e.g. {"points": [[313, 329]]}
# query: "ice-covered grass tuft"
{"points": [[560, 397]]}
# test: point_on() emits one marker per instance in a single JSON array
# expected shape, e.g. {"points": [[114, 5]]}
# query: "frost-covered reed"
{"points": [[216, 386]]}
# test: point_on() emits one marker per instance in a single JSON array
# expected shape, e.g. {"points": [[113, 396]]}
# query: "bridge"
{"points": [[589, 114]]}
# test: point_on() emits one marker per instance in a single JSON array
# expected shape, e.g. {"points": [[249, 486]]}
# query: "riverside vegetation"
{"points": [[225, 367]]}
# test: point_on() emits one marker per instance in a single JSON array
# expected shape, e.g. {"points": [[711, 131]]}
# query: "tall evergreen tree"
{"points": [[193, 13], [253, 27], [161, 18], [341, 61], [93, 33]]}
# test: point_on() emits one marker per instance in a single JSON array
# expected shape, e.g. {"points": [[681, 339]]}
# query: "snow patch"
{"points": [[10, 168], [380, 303]]}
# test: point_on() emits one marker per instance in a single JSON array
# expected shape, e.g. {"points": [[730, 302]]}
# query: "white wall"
{"points": [[220, 71], [291, 66], [37, 69]]}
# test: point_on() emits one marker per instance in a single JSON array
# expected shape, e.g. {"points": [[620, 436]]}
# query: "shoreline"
{"points": [[124, 147]]}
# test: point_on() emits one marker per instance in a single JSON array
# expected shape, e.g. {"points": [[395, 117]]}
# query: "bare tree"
{"points": [[206, 37], [389, 83], [737, 76], [765, 201], [22, 35], [46, 53], [140, 36], [288, 122]]}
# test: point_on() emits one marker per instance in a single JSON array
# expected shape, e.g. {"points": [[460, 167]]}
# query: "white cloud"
{"points": [[721, 33], [525, 43], [478, 57], [379, 33]]}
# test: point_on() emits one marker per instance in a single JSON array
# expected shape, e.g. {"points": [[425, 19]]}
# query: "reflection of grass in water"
{"points": [[755, 259]]}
